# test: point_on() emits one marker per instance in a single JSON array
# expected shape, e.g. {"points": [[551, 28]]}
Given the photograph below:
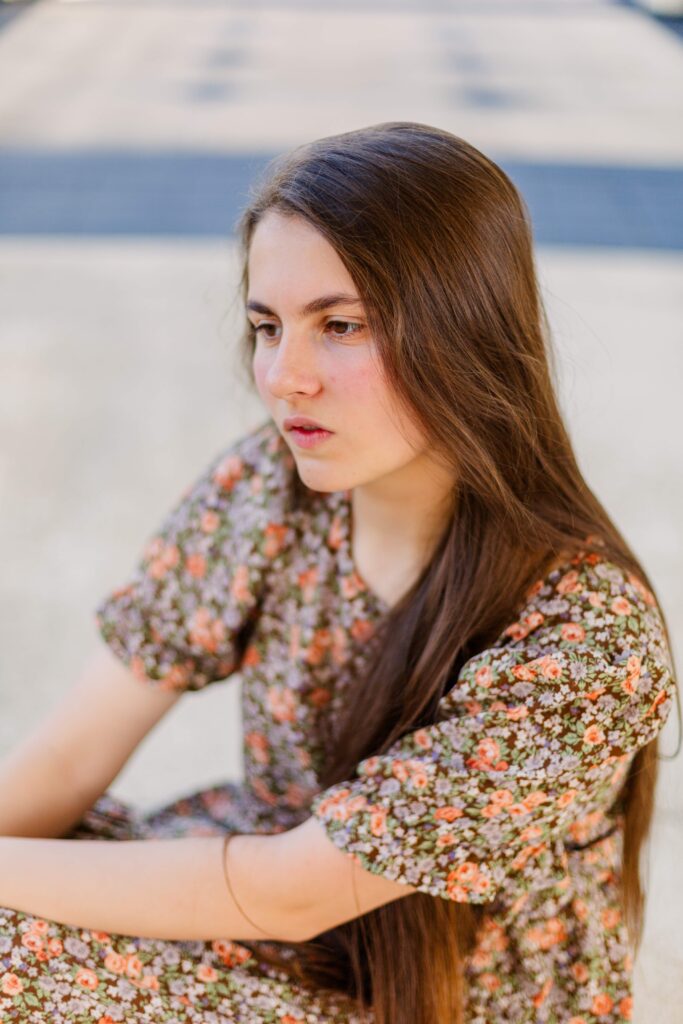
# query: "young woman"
{"points": [[454, 667]]}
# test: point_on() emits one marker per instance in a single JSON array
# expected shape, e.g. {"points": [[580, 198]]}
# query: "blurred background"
{"points": [[130, 131]]}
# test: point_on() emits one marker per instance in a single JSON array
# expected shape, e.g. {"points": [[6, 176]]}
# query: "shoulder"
{"points": [[590, 599], [256, 463]]}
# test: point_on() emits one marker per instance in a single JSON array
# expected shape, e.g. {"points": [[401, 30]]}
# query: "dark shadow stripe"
{"points": [[102, 192]]}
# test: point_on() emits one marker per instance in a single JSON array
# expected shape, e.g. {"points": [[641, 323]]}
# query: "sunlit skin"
{"points": [[325, 365]]}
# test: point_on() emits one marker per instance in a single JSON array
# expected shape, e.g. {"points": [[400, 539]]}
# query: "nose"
{"points": [[292, 367]]}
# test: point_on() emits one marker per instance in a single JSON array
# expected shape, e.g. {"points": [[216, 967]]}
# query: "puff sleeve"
{"points": [[533, 739], [182, 620]]}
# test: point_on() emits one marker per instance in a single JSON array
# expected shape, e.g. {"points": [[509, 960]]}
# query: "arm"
{"points": [[293, 884], [57, 772]]}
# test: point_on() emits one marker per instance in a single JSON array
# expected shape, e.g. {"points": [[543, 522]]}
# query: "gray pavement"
{"points": [[128, 135]]}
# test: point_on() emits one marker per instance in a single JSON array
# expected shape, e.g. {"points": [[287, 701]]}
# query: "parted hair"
{"points": [[439, 244]]}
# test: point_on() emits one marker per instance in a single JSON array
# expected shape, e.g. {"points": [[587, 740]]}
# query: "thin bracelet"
{"points": [[229, 836]]}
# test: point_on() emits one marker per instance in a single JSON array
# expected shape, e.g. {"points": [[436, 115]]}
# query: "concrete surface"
{"points": [[129, 133]]}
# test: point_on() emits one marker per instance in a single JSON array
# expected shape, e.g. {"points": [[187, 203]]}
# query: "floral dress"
{"points": [[510, 798]]}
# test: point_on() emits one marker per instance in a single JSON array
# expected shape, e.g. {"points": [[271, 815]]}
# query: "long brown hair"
{"points": [[439, 244]]}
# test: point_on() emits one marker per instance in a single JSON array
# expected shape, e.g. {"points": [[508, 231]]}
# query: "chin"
{"points": [[325, 479]]}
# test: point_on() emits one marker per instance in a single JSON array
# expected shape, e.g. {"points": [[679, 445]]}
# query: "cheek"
{"points": [[260, 369]]}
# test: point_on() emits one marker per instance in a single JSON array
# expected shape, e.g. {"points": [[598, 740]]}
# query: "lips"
{"points": [[303, 422]]}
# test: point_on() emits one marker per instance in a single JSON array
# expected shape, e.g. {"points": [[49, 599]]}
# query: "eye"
{"points": [[350, 328], [344, 323]]}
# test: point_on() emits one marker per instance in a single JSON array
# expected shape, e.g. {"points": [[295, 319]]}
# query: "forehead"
{"points": [[286, 252]]}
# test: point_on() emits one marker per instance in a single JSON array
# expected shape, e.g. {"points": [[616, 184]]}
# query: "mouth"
{"points": [[308, 437]]}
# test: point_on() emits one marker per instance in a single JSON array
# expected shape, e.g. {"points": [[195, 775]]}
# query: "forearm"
{"points": [[38, 796], [156, 888]]}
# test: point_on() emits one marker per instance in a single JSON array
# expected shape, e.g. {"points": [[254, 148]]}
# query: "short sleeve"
{"points": [[535, 734], [183, 618]]}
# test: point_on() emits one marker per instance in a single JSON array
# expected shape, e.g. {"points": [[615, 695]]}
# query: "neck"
{"points": [[404, 511]]}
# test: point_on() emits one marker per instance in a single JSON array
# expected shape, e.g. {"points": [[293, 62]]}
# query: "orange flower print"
{"points": [[231, 953], [262, 792], [239, 588], [580, 972], [295, 641], [620, 606], [148, 981], [503, 797], [593, 734], [610, 917], [281, 703], [549, 667], [251, 657], [115, 963], [351, 585], [602, 1004], [525, 672], [228, 471], [491, 810], [87, 979], [399, 770], [518, 713], [423, 739], [275, 534], [205, 972], [177, 677], [209, 521], [361, 629], [256, 485], [491, 982], [318, 646], [484, 676], [596, 600], [573, 632], [419, 778], [378, 821], [543, 993], [335, 534], [580, 908], [566, 798], [319, 697], [626, 1007], [196, 566], [32, 941], [534, 799], [168, 558], [308, 582], [10, 984], [205, 631], [550, 934], [449, 813], [569, 584], [466, 872], [659, 699], [516, 631], [258, 745], [133, 966], [339, 646], [296, 795]]}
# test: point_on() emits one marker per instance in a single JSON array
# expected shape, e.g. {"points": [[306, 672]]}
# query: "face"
{"points": [[322, 363]]}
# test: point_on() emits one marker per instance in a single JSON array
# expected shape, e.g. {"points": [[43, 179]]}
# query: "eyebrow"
{"points": [[314, 306]]}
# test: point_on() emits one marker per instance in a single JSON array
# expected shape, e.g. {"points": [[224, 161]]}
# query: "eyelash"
{"points": [[344, 323]]}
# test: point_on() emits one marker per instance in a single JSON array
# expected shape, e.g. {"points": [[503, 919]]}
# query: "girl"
{"points": [[454, 667]]}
